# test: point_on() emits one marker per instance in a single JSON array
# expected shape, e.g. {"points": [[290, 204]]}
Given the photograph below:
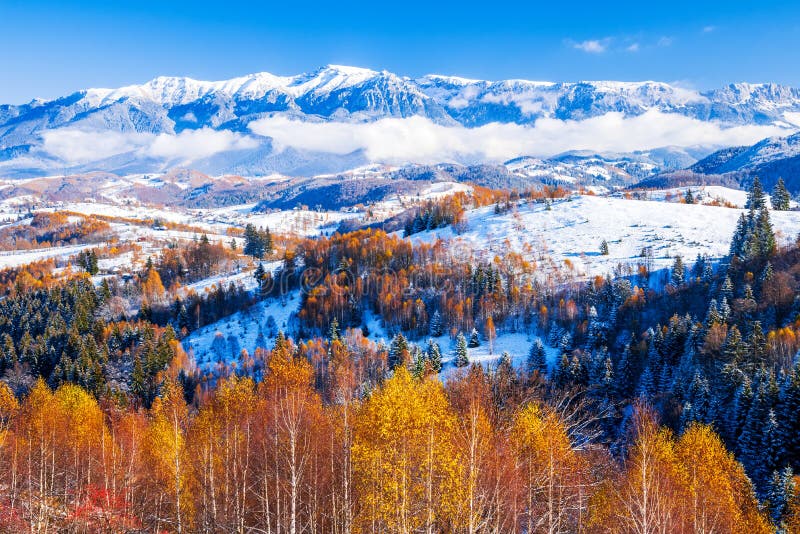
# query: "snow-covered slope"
{"points": [[571, 231], [769, 159]]}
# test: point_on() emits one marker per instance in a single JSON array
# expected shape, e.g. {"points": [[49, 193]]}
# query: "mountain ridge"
{"points": [[171, 105]]}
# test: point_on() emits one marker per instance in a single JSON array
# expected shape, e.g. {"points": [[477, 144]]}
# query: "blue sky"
{"points": [[54, 48]]}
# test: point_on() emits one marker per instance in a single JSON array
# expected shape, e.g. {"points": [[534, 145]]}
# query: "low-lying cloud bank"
{"points": [[412, 140], [419, 140], [80, 146]]}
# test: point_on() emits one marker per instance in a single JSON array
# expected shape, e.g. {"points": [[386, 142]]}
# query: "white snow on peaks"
{"points": [[172, 91]]}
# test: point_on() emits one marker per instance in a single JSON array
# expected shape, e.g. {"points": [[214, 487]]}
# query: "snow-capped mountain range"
{"points": [[173, 121]]}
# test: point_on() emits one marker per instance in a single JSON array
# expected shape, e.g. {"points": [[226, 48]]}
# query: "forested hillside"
{"points": [[647, 402]]}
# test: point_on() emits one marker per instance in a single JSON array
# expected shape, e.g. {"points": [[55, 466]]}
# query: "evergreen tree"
{"points": [[561, 373], [764, 236], [604, 248], [87, 260], [755, 197], [252, 242], [398, 352], [678, 272], [461, 355], [436, 327], [419, 361], [474, 340], [257, 242], [537, 360], [138, 379], [756, 345], [260, 275], [647, 384], [781, 490], [740, 237], [434, 354], [699, 267], [734, 349], [770, 445], [688, 197], [726, 290], [789, 422], [780, 197], [624, 376]]}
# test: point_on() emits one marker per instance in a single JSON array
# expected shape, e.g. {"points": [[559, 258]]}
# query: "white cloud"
{"points": [[633, 47], [592, 46], [665, 41], [709, 29], [196, 144], [78, 146], [81, 146], [419, 140]]}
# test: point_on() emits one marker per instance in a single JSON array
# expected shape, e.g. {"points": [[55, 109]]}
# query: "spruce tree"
{"points": [[678, 272], [789, 422], [474, 340], [624, 375], [434, 354], [755, 197], [436, 327], [561, 372], [647, 384], [537, 360], [604, 248], [764, 236], [461, 355], [419, 361], [398, 352], [780, 492], [780, 197]]}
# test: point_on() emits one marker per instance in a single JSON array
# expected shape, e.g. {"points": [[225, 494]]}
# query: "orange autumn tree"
{"points": [[649, 496], [720, 496], [222, 445], [409, 474], [485, 465], [166, 455], [152, 287], [550, 471], [293, 466], [688, 485]]}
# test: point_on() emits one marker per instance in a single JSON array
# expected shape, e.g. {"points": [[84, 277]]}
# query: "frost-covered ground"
{"points": [[572, 231], [15, 258], [257, 327], [224, 340]]}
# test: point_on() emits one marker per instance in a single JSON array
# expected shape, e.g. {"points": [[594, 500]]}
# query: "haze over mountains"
{"points": [[338, 118]]}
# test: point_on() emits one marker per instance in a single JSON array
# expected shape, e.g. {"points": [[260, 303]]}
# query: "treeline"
{"points": [[69, 334], [489, 451], [435, 214], [54, 229], [188, 262], [405, 285], [450, 210]]}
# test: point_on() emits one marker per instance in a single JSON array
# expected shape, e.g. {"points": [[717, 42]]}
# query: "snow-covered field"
{"points": [[247, 329], [257, 327], [572, 230], [16, 258]]}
